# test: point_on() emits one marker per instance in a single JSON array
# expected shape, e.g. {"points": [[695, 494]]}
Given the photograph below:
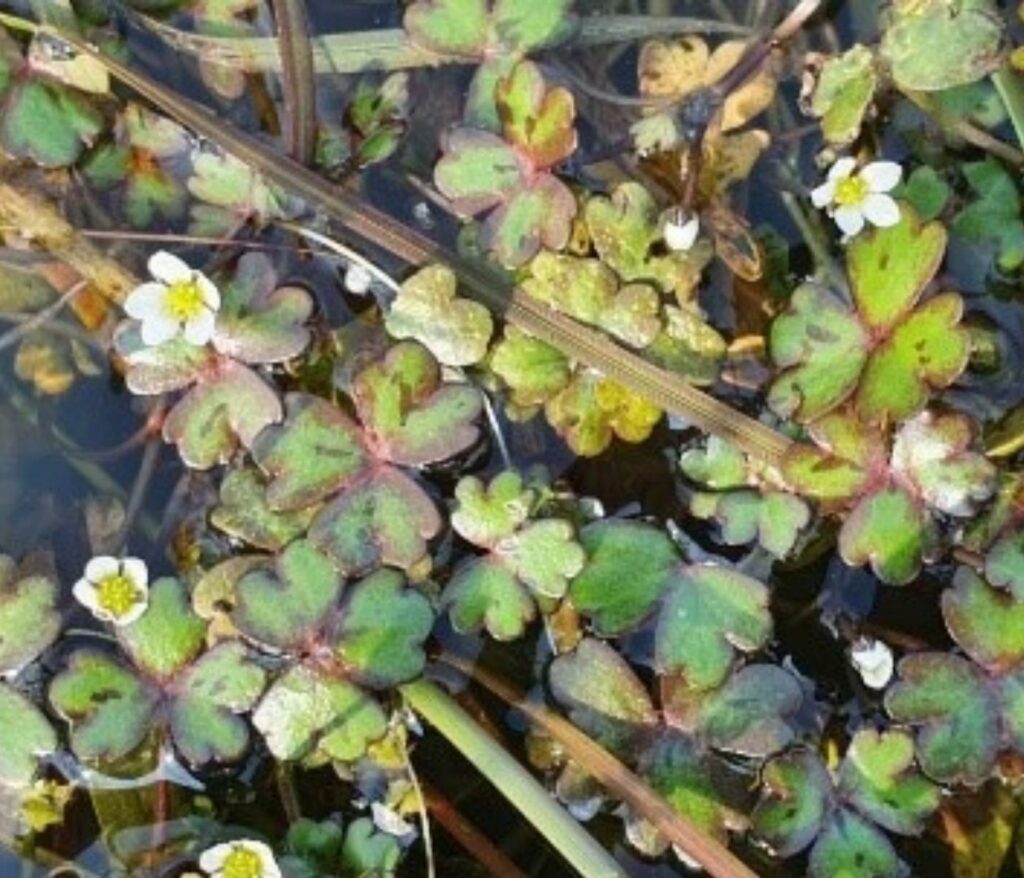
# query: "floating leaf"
{"points": [[25, 737], [380, 634], [602, 695], [625, 231], [168, 636], [795, 801], [259, 322], [773, 518], [849, 845], [383, 518], [484, 593], [286, 607], [369, 852], [592, 410], [987, 624], [232, 194], [888, 354], [47, 123], [411, 417], [629, 566], [29, 621], [456, 331], [1004, 563], [950, 703], [708, 614], [317, 451], [228, 407], [718, 464], [926, 191], [245, 514], [844, 92], [485, 514], [888, 530], [533, 370], [970, 36], [305, 711], [751, 714], [994, 216]]}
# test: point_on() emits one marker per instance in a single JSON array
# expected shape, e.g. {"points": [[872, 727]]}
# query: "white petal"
{"points": [[874, 662], [849, 219], [211, 295], [136, 612], [682, 236], [842, 169], [145, 300], [101, 567], [881, 210], [158, 328], [824, 194], [212, 859], [358, 279], [266, 855], [882, 176], [135, 569], [168, 267], [85, 593], [199, 330]]}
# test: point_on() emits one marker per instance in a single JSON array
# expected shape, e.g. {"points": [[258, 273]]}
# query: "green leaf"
{"points": [[455, 330], [952, 706], [838, 467], [534, 370], [995, 215], [708, 614], [822, 348], [971, 38], [987, 624], [449, 27], [244, 513], [890, 268], [25, 737], [109, 708], [536, 120], [369, 852], [718, 464], [380, 634], [544, 555], [169, 635], [602, 695], [383, 518], [689, 346], [850, 847], [887, 529], [477, 172], [412, 417], [29, 620], [317, 451], [319, 844], [535, 214], [751, 714], [927, 192], [172, 366], [1004, 563], [629, 566], [203, 716], [233, 193], [880, 778], [229, 407], [259, 322], [773, 518], [625, 230], [286, 607], [306, 712], [485, 515], [794, 803], [483, 592], [47, 123], [844, 92]]}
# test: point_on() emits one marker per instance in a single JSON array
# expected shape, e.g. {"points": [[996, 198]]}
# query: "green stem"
{"points": [[512, 780], [1010, 85]]}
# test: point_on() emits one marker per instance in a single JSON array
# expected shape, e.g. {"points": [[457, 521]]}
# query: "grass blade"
{"points": [[297, 78]]}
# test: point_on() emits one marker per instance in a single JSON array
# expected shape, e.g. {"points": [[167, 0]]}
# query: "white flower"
{"points": [[358, 279], [114, 589], [681, 231], [240, 859], [873, 660], [851, 198], [180, 301]]}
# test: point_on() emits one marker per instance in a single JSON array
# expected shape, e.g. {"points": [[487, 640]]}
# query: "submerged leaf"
{"points": [[844, 92], [29, 620], [25, 737]]}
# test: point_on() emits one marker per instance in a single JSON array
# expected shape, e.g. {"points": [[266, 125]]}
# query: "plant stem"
{"points": [[297, 78], [965, 130], [1010, 85], [512, 780]]}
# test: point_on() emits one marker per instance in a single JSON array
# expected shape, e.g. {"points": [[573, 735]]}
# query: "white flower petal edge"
{"points": [[136, 570], [850, 220], [85, 593], [823, 195], [101, 567], [144, 300], [168, 268], [882, 176], [158, 329], [199, 330], [843, 168], [881, 210], [873, 661], [212, 860], [211, 295], [681, 236]]}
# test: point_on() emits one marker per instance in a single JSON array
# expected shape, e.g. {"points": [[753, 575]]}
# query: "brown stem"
{"points": [[468, 837]]}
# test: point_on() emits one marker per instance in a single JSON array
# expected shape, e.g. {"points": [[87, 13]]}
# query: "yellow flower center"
{"points": [[117, 594], [184, 300], [851, 191], [242, 863]]}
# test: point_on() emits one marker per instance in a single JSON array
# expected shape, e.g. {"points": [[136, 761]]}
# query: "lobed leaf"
{"points": [[29, 620], [485, 515], [25, 737], [987, 624], [795, 801], [245, 514], [168, 636], [484, 593], [844, 92]]}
